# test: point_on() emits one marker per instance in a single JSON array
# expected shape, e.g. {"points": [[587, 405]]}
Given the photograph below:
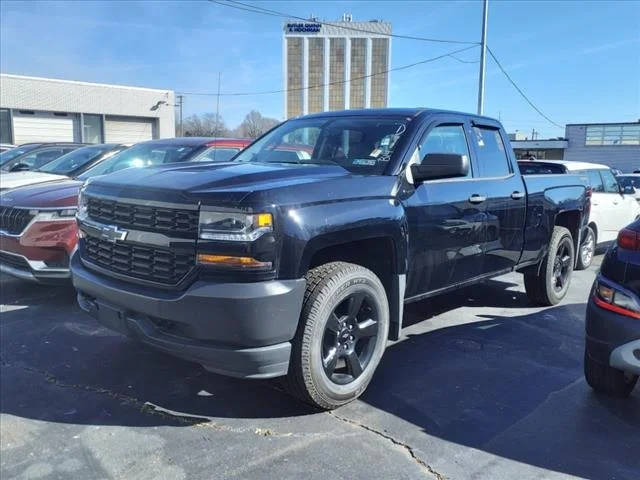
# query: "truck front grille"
{"points": [[14, 220], [175, 222], [157, 265]]}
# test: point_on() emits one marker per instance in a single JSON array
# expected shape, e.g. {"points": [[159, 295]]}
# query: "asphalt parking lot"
{"points": [[481, 386]]}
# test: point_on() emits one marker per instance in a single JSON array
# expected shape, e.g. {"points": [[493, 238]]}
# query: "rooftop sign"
{"points": [[303, 27]]}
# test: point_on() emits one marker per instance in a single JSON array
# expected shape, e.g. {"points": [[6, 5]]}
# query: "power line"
{"points": [[520, 90], [275, 13], [337, 82]]}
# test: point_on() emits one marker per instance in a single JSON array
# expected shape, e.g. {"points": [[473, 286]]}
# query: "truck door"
{"points": [[446, 218], [498, 175]]}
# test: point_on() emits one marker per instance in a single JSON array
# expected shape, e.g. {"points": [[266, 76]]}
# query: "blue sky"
{"points": [[578, 61]]}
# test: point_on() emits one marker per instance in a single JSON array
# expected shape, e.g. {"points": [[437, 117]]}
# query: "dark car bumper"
{"points": [[236, 329], [613, 339], [37, 271]]}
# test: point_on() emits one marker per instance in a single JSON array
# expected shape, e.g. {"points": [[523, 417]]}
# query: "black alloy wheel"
{"points": [[562, 266], [349, 338]]}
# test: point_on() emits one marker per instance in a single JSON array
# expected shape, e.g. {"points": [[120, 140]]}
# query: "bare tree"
{"points": [[205, 125], [254, 124]]}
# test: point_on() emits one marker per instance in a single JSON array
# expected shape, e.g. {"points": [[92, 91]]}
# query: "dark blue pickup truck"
{"points": [[296, 258]]}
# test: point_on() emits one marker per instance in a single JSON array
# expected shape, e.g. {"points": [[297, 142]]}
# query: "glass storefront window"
{"points": [[92, 125], [5, 126]]}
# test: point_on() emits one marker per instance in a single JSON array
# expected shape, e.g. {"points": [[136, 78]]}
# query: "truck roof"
{"points": [[402, 112]]}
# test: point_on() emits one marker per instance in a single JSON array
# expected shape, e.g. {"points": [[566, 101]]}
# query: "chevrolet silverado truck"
{"points": [[295, 258]]}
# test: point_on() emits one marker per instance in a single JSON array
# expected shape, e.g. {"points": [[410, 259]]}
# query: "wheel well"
{"points": [[571, 221], [376, 254]]}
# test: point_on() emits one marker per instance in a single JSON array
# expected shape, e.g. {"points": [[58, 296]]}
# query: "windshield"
{"points": [[14, 153], [141, 155], [75, 160], [362, 145]]}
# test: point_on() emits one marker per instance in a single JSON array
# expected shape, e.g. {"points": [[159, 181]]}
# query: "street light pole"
{"points": [[181, 100], [483, 51]]}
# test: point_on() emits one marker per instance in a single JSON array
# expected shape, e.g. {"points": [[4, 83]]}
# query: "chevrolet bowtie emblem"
{"points": [[111, 233]]}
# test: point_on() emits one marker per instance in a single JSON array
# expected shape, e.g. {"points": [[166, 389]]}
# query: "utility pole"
{"points": [[217, 107], [181, 101], [483, 51]]}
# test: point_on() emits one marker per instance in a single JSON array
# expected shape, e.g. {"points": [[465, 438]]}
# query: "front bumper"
{"points": [[235, 329], [613, 339], [37, 271]]}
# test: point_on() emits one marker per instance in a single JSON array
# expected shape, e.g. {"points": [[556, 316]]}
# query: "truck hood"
{"points": [[231, 183], [44, 195], [20, 179]]}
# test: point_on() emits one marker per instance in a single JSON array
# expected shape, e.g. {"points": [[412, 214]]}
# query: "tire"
{"points": [[541, 287], [587, 249], [332, 293], [604, 379]]}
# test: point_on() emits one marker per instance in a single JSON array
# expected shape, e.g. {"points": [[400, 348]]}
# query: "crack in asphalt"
{"points": [[408, 448], [150, 408]]}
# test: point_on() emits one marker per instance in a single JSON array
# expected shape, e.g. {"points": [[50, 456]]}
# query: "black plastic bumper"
{"points": [[236, 329], [609, 332]]}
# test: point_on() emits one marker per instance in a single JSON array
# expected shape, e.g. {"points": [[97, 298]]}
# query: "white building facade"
{"points": [[34, 109], [335, 66]]}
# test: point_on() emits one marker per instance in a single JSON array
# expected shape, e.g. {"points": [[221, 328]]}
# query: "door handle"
{"points": [[517, 195], [475, 198]]}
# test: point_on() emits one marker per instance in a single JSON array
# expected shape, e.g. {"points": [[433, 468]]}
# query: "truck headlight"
{"points": [[54, 214], [234, 226], [83, 205]]}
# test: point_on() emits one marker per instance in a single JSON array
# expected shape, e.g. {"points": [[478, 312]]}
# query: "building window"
{"points": [[336, 73], [316, 75], [358, 71], [379, 80], [613, 135], [294, 77], [5, 126], [92, 128]]}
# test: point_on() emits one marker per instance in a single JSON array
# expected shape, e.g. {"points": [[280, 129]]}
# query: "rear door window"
{"points": [[493, 160], [610, 182], [595, 180]]}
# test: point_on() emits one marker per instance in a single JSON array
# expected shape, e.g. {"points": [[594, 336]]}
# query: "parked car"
{"points": [[632, 180], [67, 166], [33, 155], [274, 264], [38, 229], [612, 354], [612, 205], [6, 146]]}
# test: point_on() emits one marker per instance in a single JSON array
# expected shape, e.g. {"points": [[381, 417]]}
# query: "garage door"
{"points": [[30, 126], [128, 129]]}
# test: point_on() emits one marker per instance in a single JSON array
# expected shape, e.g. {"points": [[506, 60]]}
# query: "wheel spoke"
{"points": [[355, 303], [368, 328], [353, 363], [566, 260], [330, 361], [333, 324]]}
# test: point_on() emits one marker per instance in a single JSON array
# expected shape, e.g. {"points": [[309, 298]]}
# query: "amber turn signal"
{"points": [[231, 261]]}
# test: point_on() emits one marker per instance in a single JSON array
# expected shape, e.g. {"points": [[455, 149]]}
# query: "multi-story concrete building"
{"points": [[34, 109], [614, 144], [335, 66]]}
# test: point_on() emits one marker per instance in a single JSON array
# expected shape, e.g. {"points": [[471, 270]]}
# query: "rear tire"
{"points": [[587, 249], [605, 379], [550, 285], [341, 335]]}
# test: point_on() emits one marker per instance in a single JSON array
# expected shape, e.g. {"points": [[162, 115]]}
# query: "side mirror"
{"points": [[436, 166], [628, 190], [20, 167]]}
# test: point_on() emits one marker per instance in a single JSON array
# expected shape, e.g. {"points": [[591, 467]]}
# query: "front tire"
{"points": [[604, 379], [550, 285], [341, 336], [587, 249]]}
